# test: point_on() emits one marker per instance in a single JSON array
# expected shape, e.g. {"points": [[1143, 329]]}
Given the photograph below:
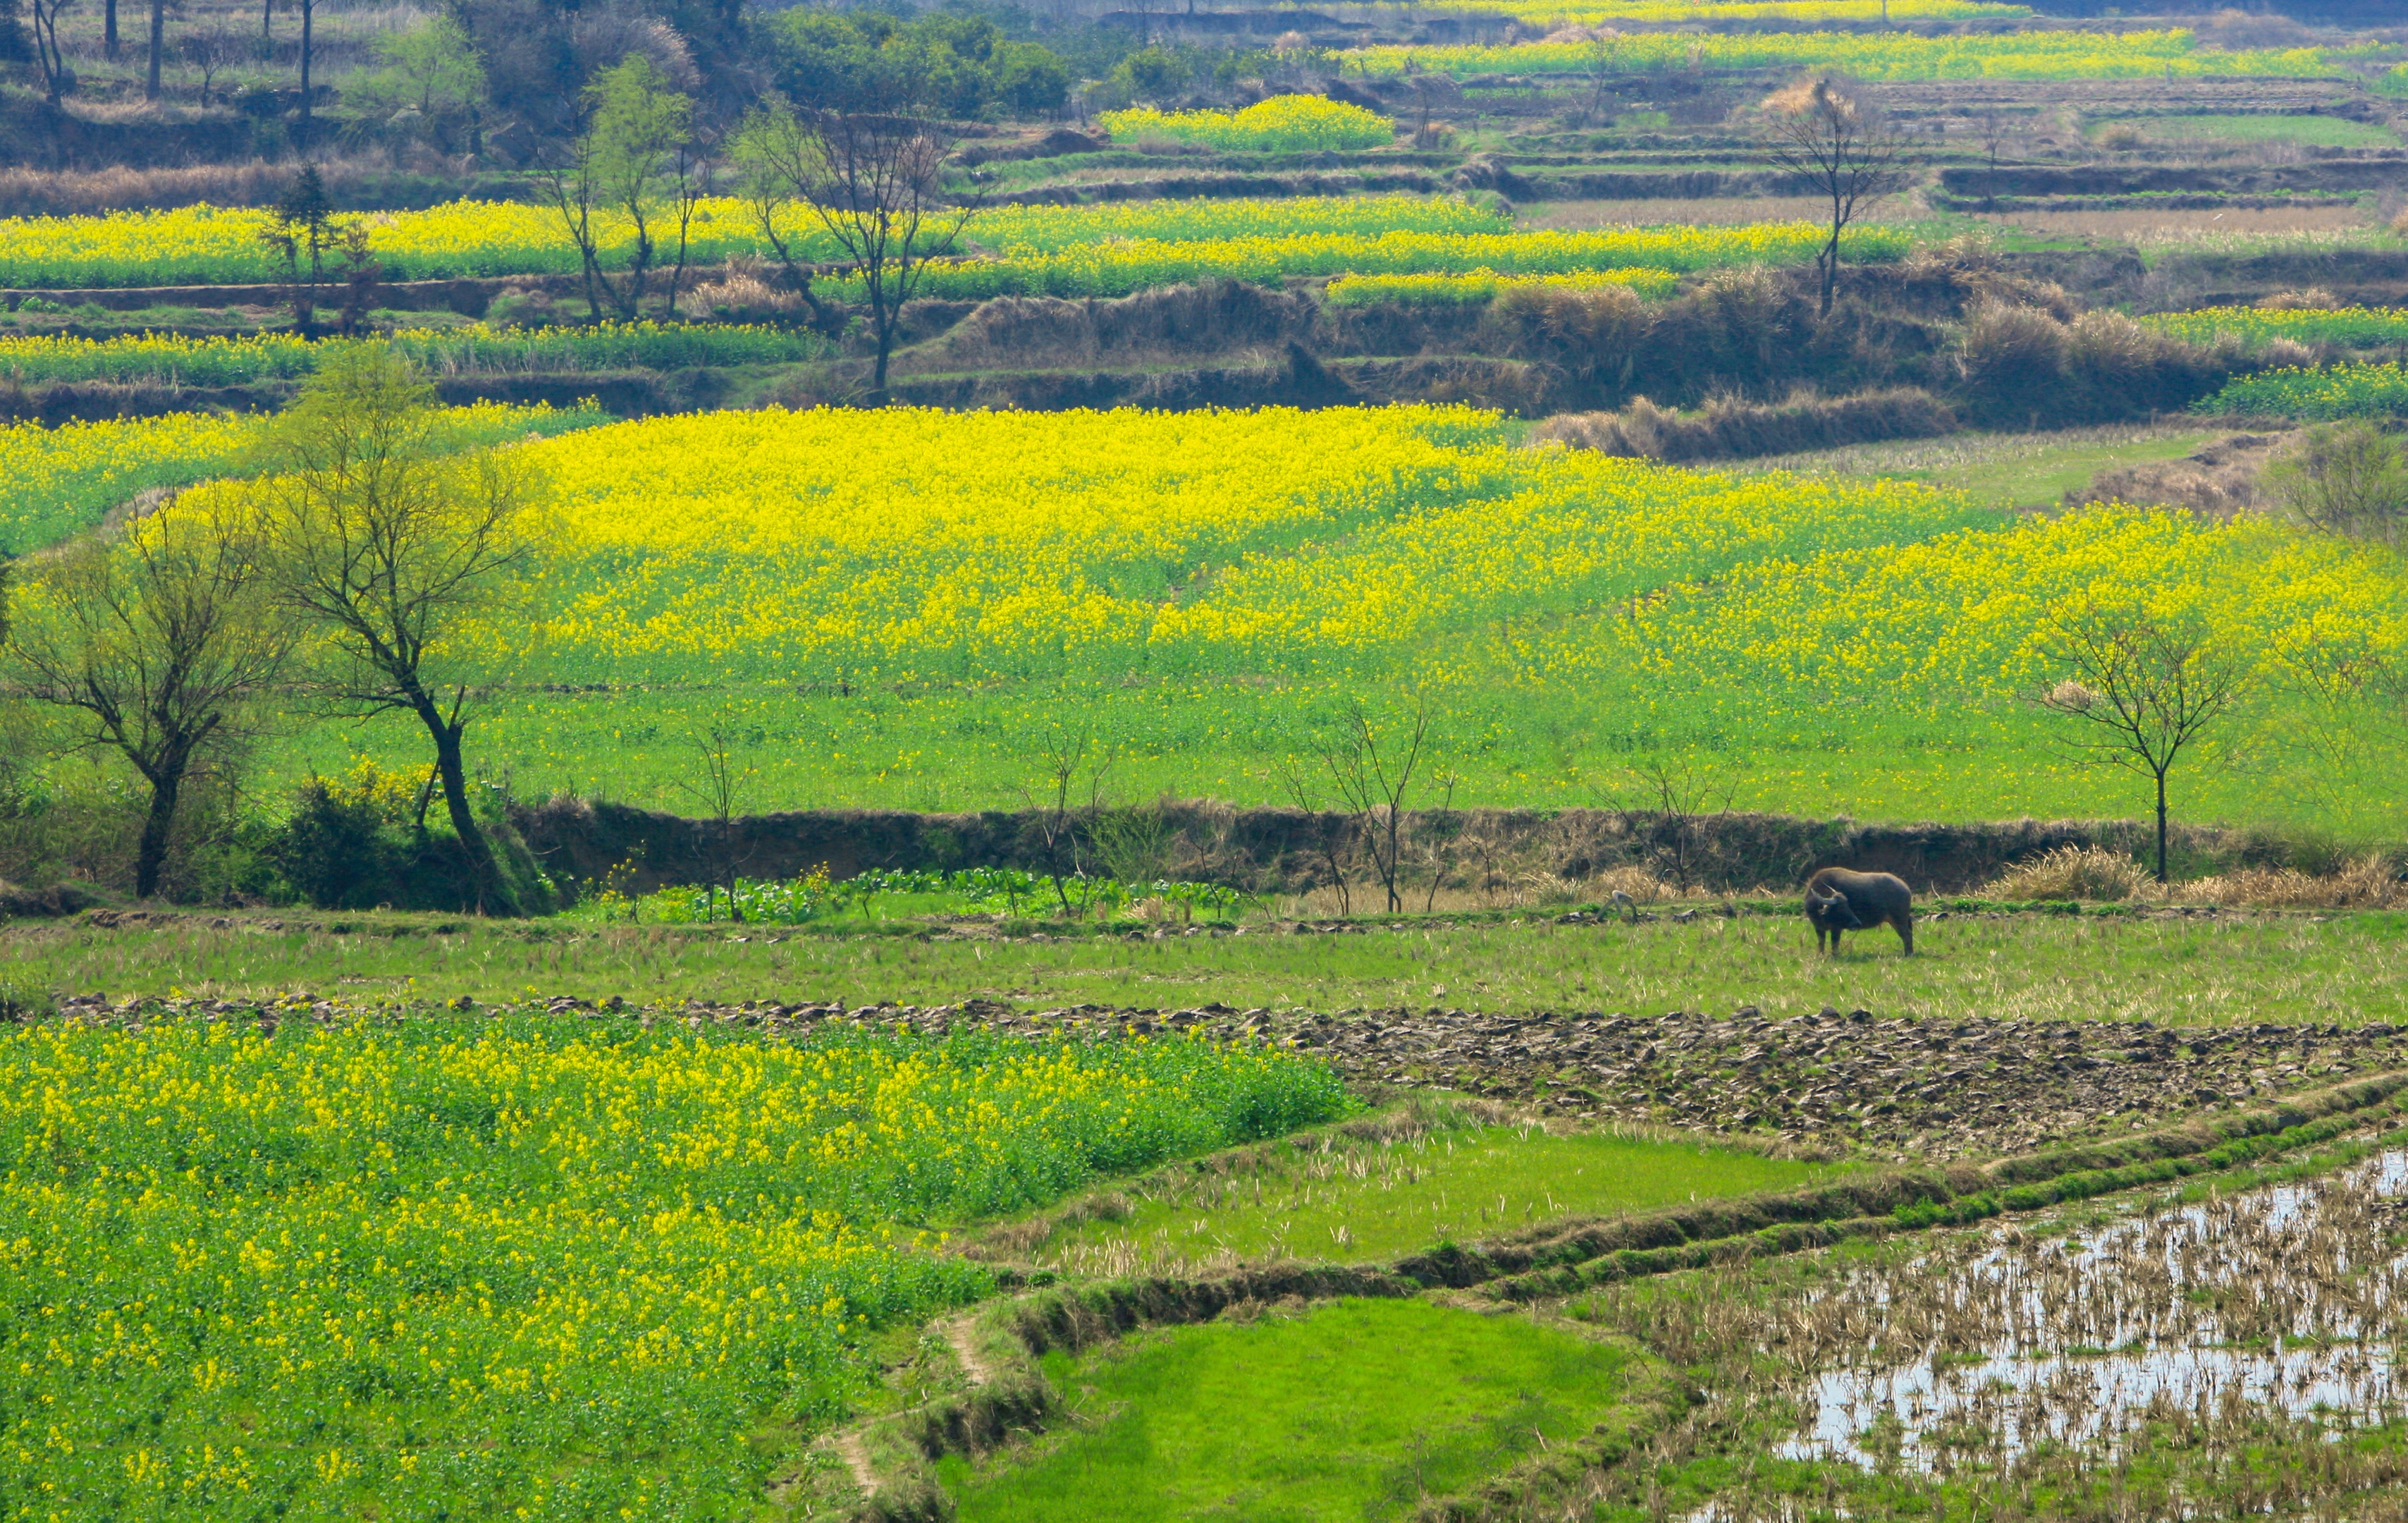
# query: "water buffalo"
{"points": [[1839, 900]]}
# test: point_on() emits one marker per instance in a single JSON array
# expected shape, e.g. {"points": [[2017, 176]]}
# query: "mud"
{"points": [[2280, 1299]]}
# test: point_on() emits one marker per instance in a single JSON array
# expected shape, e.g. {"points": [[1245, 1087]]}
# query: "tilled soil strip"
{"points": [[1921, 1090]]}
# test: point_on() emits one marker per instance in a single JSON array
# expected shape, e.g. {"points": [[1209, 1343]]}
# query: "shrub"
{"points": [[22, 1000], [2071, 873], [348, 842]]}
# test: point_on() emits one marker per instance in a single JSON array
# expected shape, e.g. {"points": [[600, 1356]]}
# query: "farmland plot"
{"points": [[533, 1267]]}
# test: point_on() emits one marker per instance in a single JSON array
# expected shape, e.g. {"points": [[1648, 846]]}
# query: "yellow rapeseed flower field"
{"points": [[896, 608], [517, 1267], [1059, 250], [803, 546]]}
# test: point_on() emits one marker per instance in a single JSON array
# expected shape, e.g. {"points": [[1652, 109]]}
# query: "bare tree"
{"points": [[403, 556], [1373, 769], [1296, 779], [1678, 792], [871, 179], [2143, 689], [1602, 43], [773, 155], [162, 639], [1843, 148], [719, 785], [211, 51], [1993, 129], [2345, 478], [694, 182], [308, 53], [49, 57], [158, 44], [1065, 753]]}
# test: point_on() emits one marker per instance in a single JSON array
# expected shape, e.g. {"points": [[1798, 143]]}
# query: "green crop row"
{"points": [[2350, 328], [239, 361], [2319, 392]]}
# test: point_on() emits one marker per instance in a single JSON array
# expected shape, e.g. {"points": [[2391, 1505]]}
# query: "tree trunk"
{"points": [[309, 9], [492, 897], [1830, 261], [2161, 827], [158, 34], [108, 30], [150, 852], [881, 322], [267, 18]]}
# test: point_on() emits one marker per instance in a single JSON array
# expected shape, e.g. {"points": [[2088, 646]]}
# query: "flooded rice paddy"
{"points": [[2280, 1299]]}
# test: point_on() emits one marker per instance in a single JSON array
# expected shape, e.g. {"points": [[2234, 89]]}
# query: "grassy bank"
{"points": [[2235, 969]]}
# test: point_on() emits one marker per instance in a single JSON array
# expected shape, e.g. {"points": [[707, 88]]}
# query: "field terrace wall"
{"points": [[1267, 851]]}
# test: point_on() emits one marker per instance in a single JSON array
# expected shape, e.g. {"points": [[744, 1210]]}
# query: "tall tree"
{"points": [[870, 178], [2143, 689], [1842, 150], [162, 641], [410, 561], [633, 153]]}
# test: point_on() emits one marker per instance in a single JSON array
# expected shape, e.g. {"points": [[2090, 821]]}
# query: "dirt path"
{"points": [[855, 1454], [957, 1337]]}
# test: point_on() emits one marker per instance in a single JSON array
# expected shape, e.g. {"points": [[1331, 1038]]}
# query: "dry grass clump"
{"points": [[2071, 873], [1731, 429], [1589, 329], [2370, 882], [2022, 364], [2316, 298], [2218, 482], [85, 192], [744, 290], [1637, 881]]}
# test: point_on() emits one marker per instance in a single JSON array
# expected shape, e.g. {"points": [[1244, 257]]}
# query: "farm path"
{"points": [[957, 1337], [855, 1454]]}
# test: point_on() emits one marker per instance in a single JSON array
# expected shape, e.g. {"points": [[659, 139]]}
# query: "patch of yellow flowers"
{"points": [[1282, 123], [806, 547], [511, 1268], [1973, 613], [1878, 55]]}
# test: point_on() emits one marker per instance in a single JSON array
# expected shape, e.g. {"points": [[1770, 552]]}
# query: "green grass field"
{"points": [[2318, 131], [1358, 1409], [2006, 470], [2346, 969], [1379, 1200]]}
